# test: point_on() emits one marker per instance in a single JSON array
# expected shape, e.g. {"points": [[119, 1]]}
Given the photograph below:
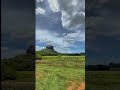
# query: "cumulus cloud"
{"points": [[65, 25], [76, 36], [61, 43], [40, 10], [39, 48], [73, 15], [39, 1], [48, 38], [54, 5], [72, 22], [73, 12]]}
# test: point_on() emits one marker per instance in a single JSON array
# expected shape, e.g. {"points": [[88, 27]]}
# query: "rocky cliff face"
{"points": [[49, 47]]}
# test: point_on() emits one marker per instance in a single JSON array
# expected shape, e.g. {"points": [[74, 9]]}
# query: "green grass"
{"points": [[103, 80], [24, 81], [26, 76], [53, 73], [62, 58]]}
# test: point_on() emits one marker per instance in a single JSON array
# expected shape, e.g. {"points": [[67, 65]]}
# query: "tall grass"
{"points": [[61, 58], [56, 72]]}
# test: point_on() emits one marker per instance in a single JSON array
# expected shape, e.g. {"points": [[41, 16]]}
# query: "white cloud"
{"points": [[44, 36], [54, 5], [74, 21], [40, 10], [56, 34], [63, 49], [39, 48], [73, 13], [72, 18], [39, 1], [47, 37], [76, 36], [61, 44]]}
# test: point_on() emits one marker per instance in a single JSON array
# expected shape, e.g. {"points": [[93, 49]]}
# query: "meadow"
{"points": [[102, 80], [18, 73], [24, 81], [60, 73]]}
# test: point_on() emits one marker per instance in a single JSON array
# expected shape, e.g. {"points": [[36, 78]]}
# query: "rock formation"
{"points": [[50, 47]]}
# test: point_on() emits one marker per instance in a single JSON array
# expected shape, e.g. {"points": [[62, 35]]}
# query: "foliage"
{"points": [[103, 80], [47, 52], [7, 72], [60, 57], [10, 66], [56, 72]]}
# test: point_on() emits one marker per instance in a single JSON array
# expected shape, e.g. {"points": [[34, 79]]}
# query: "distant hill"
{"points": [[49, 51], [23, 62]]}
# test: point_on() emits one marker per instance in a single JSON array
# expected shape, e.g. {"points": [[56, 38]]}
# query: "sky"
{"points": [[61, 23], [17, 27], [102, 31]]}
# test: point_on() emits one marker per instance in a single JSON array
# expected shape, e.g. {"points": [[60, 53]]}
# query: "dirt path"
{"points": [[74, 86], [82, 86]]}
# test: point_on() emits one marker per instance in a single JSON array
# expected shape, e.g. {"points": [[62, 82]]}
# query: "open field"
{"points": [[60, 73], [25, 81], [61, 58], [17, 85], [103, 80]]}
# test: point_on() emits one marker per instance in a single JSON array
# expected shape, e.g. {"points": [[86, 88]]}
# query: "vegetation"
{"points": [[47, 52], [58, 72], [50, 52], [20, 62], [18, 72], [103, 77], [7, 72], [60, 57], [102, 80], [111, 66]]}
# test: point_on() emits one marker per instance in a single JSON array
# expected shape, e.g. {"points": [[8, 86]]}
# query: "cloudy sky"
{"points": [[61, 23], [17, 26], [102, 31]]}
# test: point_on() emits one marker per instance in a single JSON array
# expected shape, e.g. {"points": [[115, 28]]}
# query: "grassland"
{"points": [[24, 81], [102, 80], [60, 72]]}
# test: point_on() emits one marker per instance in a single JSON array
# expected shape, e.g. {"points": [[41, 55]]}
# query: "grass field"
{"points": [[60, 73], [103, 80], [25, 81]]}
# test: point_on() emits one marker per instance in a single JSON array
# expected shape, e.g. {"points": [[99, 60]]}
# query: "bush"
{"points": [[47, 52]]}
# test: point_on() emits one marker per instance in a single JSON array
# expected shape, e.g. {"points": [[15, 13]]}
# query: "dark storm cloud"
{"points": [[102, 32], [17, 24], [18, 4]]}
